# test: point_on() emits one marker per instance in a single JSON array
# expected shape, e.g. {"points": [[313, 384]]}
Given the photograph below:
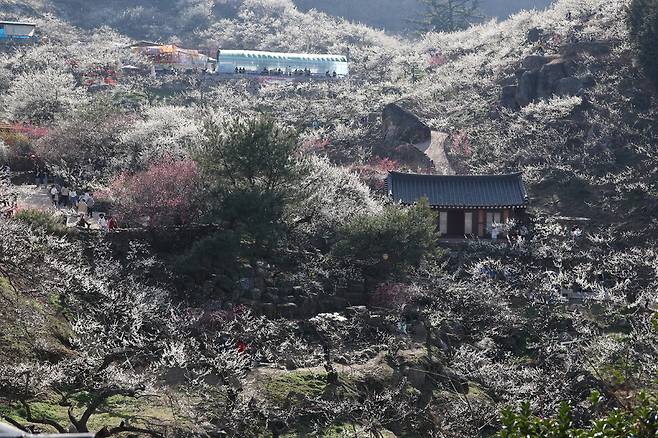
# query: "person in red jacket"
{"points": [[112, 223]]}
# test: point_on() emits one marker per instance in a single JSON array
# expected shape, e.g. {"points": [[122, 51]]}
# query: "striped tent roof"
{"points": [[257, 54], [459, 191]]}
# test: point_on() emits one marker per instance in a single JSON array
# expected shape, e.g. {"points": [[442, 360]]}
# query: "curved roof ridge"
{"points": [[517, 173], [459, 191]]}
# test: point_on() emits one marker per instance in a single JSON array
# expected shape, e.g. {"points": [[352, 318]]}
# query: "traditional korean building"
{"points": [[468, 205]]}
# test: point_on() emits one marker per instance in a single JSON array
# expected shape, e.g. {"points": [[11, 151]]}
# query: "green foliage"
{"points": [[389, 242], [217, 252], [641, 421], [278, 389], [449, 15], [44, 220], [249, 167], [643, 26]]}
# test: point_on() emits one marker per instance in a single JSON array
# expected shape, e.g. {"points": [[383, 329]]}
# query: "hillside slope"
{"points": [[399, 16], [589, 151], [456, 82], [354, 318]]}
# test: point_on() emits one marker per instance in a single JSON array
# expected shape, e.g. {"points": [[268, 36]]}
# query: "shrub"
{"points": [[389, 242], [643, 26], [166, 193], [53, 224], [249, 168], [641, 421], [218, 253]]}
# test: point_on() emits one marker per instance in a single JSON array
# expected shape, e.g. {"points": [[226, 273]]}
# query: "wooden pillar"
{"points": [[469, 220], [482, 219], [505, 217], [443, 223]]}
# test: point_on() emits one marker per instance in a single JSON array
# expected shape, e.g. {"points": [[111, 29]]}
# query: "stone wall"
{"points": [[257, 285], [259, 290]]}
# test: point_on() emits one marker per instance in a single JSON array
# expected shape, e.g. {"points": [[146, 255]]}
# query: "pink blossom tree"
{"points": [[163, 194], [374, 172]]}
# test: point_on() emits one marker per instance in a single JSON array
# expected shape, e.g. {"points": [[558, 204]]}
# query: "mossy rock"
{"points": [[116, 409], [47, 334], [278, 389], [291, 385]]}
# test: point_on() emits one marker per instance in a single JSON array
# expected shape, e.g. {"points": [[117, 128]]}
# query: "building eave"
{"points": [[18, 23]]}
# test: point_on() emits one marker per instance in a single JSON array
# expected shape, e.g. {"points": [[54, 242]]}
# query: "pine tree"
{"points": [[449, 15], [643, 26]]}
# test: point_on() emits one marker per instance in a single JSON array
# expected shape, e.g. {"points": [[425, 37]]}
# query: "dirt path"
{"points": [[31, 197], [434, 148]]}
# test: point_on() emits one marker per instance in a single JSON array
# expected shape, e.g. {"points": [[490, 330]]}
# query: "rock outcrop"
{"points": [[403, 127], [541, 77], [411, 142]]}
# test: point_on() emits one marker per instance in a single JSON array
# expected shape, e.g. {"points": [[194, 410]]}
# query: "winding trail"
{"points": [[31, 197], [435, 149]]}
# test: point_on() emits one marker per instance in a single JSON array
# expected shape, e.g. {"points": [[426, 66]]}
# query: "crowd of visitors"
{"points": [[41, 178], [83, 203], [62, 196], [280, 72]]}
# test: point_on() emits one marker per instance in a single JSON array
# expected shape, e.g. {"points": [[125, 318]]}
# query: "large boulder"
{"points": [[541, 77], [549, 76], [508, 98], [402, 127], [569, 86], [535, 35], [535, 62], [526, 92]]}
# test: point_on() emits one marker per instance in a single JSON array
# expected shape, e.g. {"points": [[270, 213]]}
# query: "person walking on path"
{"points": [[82, 207], [112, 224], [90, 205], [73, 198], [102, 223], [64, 196], [54, 196]]}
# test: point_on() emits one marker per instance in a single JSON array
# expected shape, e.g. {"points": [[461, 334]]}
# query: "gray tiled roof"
{"points": [[459, 191]]}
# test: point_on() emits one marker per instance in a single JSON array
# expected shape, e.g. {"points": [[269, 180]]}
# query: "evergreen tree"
{"points": [[249, 168], [643, 26], [449, 15]]}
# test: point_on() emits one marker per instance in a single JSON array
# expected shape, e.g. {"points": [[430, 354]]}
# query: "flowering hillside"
{"points": [[191, 254]]}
